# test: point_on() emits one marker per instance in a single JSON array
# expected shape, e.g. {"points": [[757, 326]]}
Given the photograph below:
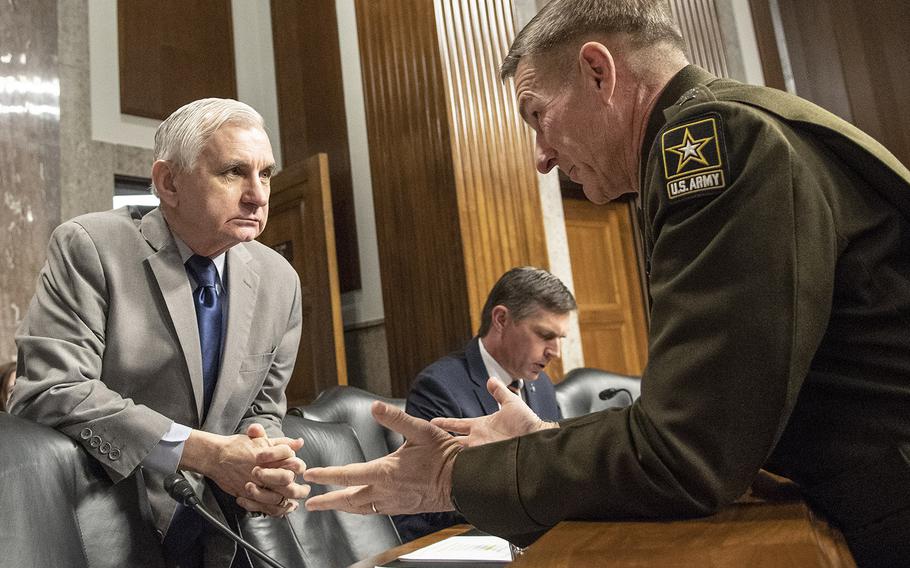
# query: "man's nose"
{"points": [[257, 192], [546, 156], [554, 350]]}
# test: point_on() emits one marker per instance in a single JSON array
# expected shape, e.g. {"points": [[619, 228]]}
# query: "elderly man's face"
{"points": [[573, 129], [224, 199]]}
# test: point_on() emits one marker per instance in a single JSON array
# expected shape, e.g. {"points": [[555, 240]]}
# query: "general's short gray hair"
{"points": [[183, 135], [647, 22]]}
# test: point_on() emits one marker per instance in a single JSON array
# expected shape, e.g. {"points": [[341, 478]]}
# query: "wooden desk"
{"points": [[753, 534]]}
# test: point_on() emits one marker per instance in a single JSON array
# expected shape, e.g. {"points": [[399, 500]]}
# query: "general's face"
{"points": [[224, 199], [530, 343], [574, 130]]}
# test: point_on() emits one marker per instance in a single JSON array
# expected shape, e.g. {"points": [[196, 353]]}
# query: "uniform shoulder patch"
{"points": [[694, 158]]}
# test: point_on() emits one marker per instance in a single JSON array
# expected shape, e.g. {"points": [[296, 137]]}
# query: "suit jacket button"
{"points": [[86, 433], [105, 448], [94, 441], [114, 455]]}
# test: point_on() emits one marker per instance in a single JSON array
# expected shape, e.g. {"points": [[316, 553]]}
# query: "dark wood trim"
{"points": [[767, 44], [311, 111], [173, 52]]}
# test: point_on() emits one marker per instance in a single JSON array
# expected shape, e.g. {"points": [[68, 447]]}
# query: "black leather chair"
{"points": [[351, 406], [320, 539], [59, 508], [580, 390]]}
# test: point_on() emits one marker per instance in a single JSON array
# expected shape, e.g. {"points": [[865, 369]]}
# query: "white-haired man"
{"points": [[776, 237], [165, 341]]}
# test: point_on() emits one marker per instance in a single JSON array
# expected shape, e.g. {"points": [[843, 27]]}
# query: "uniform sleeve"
{"points": [[61, 345], [270, 404], [741, 277]]}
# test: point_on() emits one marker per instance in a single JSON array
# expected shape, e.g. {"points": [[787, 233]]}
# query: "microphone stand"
{"points": [[180, 490]]}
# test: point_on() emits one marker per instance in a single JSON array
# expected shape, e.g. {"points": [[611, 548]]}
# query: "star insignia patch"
{"points": [[693, 158]]}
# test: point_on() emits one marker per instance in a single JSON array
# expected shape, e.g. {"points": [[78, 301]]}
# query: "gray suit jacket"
{"points": [[110, 350]]}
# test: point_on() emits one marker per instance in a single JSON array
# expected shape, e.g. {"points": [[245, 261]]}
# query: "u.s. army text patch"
{"points": [[693, 157]]}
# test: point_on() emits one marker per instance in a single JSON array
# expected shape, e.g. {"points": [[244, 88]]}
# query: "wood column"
{"points": [[454, 187]]}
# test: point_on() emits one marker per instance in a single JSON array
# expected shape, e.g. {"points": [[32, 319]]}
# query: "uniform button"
{"points": [[114, 455], [94, 441], [104, 448], [86, 433]]}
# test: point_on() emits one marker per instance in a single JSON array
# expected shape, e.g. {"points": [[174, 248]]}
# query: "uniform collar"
{"points": [[688, 77]]}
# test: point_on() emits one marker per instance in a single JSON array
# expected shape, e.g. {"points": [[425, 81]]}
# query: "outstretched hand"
{"points": [[514, 418], [416, 478]]}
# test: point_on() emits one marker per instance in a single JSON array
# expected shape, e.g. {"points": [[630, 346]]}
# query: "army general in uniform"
{"points": [[777, 239]]}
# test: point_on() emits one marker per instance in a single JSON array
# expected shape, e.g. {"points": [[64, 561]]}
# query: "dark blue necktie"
{"points": [[208, 318]]}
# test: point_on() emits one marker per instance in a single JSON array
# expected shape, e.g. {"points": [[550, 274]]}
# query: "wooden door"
{"points": [[301, 228], [611, 312]]}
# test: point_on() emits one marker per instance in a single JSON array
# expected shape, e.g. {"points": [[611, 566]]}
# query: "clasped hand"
{"points": [[261, 472]]}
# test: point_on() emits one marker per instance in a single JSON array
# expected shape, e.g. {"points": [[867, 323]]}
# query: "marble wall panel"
{"points": [[29, 153]]}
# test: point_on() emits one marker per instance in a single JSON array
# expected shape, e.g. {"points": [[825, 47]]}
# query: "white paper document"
{"points": [[463, 549]]}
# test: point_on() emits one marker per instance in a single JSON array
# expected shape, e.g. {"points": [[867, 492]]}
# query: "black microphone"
{"points": [[607, 394], [180, 490]]}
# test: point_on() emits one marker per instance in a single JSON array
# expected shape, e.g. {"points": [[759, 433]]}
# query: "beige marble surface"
{"points": [[29, 154]]}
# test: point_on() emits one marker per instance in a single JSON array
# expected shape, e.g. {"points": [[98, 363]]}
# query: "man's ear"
{"points": [[163, 173], [499, 316], [598, 69]]}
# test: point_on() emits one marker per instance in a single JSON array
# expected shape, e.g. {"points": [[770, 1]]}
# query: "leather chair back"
{"points": [[59, 508], [351, 405], [579, 392], [320, 539]]}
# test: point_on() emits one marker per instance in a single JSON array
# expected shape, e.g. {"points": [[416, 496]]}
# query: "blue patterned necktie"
{"points": [[208, 318]]}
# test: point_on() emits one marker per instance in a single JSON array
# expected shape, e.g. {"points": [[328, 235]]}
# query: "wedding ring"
{"points": [[373, 506]]}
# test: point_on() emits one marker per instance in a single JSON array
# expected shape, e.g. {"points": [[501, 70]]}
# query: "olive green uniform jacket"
{"points": [[778, 248]]}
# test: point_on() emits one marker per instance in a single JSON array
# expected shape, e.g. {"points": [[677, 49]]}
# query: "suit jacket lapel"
{"points": [[170, 275], [531, 396], [242, 287], [479, 376]]}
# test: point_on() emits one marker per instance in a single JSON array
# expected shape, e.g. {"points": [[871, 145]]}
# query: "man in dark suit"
{"points": [[166, 341], [523, 320]]}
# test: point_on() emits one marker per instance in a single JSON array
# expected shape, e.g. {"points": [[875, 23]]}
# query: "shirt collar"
{"points": [[186, 252], [494, 369]]}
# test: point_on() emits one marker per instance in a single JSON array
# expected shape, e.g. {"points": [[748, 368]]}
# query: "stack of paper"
{"points": [[472, 550]]}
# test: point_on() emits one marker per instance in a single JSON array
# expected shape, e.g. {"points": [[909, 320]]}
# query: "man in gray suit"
{"points": [[165, 341]]}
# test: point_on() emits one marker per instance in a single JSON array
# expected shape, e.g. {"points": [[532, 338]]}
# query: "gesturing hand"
{"points": [[417, 477], [514, 418]]}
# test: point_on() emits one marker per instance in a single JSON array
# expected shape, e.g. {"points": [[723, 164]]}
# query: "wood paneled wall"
{"points": [[700, 27], [311, 111], [173, 52], [495, 176], [454, 189], [851, 57]]}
